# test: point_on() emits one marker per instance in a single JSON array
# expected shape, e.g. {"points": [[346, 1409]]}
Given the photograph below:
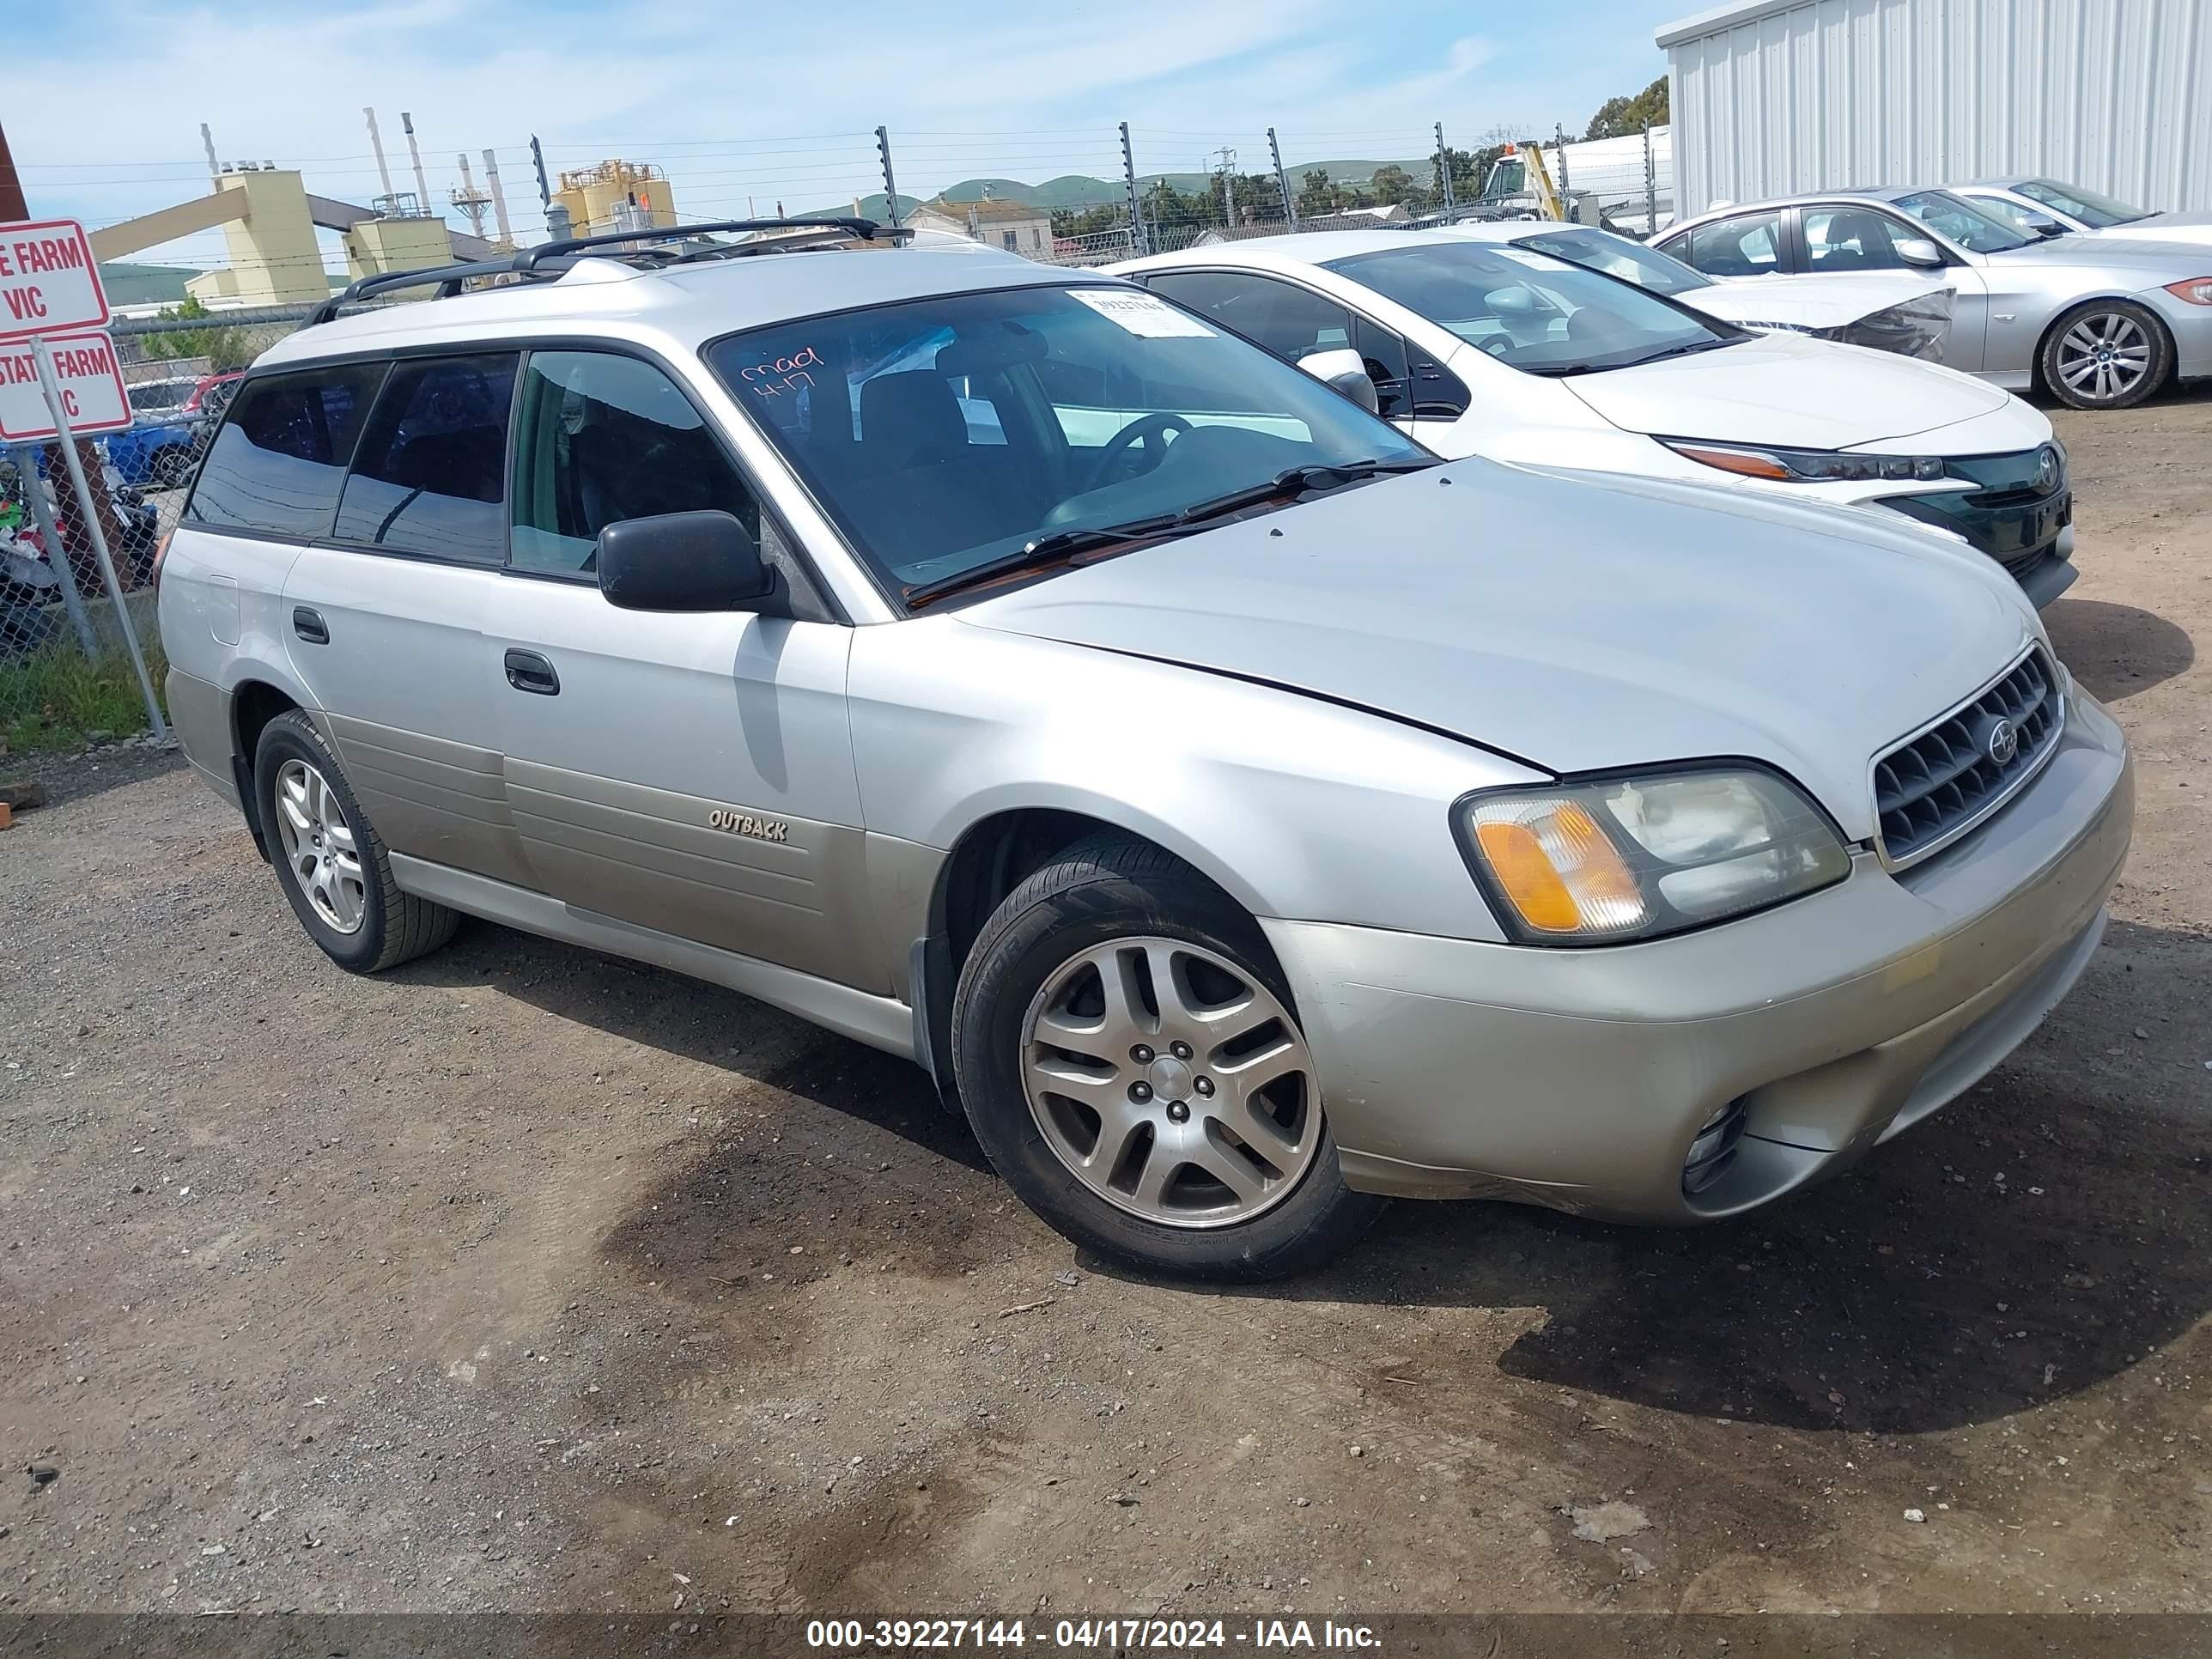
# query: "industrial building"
{"points": [[1772, 97]]}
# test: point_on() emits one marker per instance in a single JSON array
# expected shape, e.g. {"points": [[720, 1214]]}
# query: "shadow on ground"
{"points": [[2117, 650], [2043, 1234]]}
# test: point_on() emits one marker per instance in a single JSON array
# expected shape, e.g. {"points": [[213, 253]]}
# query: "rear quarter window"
{"points": [[277, 464]]}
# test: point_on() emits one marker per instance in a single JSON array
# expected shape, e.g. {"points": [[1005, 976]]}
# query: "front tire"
{"points": [[2107, 354], [329, 860], [1132, 1062]]}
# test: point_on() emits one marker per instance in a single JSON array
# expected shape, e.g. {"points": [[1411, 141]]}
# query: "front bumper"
{"points": [[1578, 1078]]}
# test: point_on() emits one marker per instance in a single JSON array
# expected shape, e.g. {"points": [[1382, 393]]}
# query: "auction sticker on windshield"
{"points": [[1143, 314]]}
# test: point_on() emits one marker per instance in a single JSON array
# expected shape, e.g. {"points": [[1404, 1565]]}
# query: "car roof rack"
{"points": [[867, 229], [448, 278], [538, 264]]}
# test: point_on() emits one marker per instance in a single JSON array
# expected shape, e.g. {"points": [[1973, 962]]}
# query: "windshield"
{"points": [[2093, 208], [945, 434], [1616, 256], [1963, 222], [1530, 311]]}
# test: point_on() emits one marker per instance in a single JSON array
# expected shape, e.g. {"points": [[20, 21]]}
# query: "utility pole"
{"points": [[1142, 243], [1228, 189], [1560, 133], [1282, 180], [14, 207], [1443, 170], [890, 183]]}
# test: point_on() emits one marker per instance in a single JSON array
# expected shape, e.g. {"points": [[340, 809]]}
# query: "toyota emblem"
{"points": [[2003, 741], [2047, 470]]}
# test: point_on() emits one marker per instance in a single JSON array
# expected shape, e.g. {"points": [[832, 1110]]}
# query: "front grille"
{"points": [[1932, 789]]}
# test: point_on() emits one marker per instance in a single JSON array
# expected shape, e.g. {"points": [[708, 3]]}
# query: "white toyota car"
{"points": [[1505, 352]]}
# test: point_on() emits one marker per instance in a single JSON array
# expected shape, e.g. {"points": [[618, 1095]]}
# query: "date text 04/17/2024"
{"points": [[1111, 1635]]}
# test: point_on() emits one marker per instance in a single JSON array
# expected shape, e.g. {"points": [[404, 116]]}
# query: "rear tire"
{"points": [[329, 860], [2106, 354], [1218, 1178]]}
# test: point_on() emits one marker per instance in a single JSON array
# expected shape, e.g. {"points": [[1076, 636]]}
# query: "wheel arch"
{"points": [[993, 855]]}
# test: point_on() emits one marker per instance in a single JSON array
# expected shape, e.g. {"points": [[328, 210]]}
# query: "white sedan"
{"points": [[1904, 312], [2032, 205], [1512, 353]]}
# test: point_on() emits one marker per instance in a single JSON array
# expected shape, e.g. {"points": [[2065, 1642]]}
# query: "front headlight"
{"points": [[1806, 465], [1635, 858], [2198, 290]]}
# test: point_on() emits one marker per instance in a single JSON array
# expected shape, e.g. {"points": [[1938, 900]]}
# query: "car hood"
{"points": [[1785, 389], [1808, 301], [2157, 262], [1574, 622]]}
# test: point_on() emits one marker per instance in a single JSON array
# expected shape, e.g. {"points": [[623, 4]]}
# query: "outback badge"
{"points": [[744, 824]]}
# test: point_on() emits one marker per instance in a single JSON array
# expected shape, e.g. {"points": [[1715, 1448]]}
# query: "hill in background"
{"points": [[1076, 190]]}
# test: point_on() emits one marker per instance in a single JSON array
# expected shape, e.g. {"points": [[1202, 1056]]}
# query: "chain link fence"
{"points": [[66, 675]]}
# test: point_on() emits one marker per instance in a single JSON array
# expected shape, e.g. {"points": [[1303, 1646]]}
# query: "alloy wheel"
{"points": [[319, 848], [1171, 1082], [2104, 357]]}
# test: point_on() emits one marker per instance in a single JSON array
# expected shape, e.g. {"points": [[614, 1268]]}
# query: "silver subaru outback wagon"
{"points": [[1241, 814]]}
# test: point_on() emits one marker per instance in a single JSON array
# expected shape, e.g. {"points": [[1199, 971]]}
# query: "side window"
{"points": [[278, 463], [603, 438], [429, 475], [1851, 239], [1385, 355], [1749, 244], [1288, 321]]}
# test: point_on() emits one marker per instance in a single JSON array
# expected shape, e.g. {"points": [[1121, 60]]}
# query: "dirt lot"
{"points": [[528, 1279]]}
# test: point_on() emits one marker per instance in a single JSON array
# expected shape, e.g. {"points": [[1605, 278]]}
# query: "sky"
{"points": [[745, 105]]}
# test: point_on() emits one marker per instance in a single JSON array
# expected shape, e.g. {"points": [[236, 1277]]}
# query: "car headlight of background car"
{"points": [[1632, 858], [1807, 465], [2198, 290]]}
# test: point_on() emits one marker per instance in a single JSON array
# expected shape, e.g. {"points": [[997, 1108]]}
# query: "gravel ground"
{"points": [[526, 1278]]}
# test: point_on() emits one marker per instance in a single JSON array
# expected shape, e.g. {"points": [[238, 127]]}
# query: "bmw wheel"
{"points": [[2108, 354], [1133, 1065]]}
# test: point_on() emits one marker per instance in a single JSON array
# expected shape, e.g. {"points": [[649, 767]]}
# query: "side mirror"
{"points": [[1344, 370], [2042, 227], [1921, 253], [681, 562]]}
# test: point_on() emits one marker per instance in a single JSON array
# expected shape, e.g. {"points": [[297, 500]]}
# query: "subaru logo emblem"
{"points": [[2003, 741], [2047, 470]]}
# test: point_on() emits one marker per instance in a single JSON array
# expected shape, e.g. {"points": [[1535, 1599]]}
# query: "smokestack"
{"points": [[376, 144], [422, 184], [498, 198], [214, 168]]}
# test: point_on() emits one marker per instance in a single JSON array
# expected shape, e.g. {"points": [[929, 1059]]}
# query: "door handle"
{"points": [[528, 672], [309, 625]]}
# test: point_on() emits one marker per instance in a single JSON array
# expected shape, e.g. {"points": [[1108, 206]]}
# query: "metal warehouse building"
{"points": [[1776, 96]]}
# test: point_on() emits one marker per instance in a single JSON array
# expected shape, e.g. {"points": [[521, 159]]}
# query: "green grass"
{"points": [[55, 697]]}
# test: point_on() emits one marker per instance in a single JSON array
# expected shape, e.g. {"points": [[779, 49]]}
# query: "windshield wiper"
{"points": [[1047, 549], [1301, 479], [1564, 371], [1065, 543]]}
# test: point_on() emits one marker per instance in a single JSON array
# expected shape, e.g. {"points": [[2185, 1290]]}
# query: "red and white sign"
{"points": [[91, 385], [49, 280]]}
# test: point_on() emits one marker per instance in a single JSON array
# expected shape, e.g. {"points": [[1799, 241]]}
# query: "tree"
{"points": [[1087, 221], [1617, 118], [1392, 184], [1317, 195], [225, 348]]}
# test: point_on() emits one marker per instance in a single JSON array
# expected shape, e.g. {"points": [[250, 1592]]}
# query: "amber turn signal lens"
{"points": [[1749, 463], [1561, 872]]}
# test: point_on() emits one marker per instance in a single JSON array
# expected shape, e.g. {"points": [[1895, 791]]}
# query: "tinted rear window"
{"points": [[276, 466], [430, 475]]}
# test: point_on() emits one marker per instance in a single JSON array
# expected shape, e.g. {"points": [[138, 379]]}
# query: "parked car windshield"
{"points": [[151, 397], [1616, 256], [1530, 311], [1963, 222], [945, 433], [2093, 208]]}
